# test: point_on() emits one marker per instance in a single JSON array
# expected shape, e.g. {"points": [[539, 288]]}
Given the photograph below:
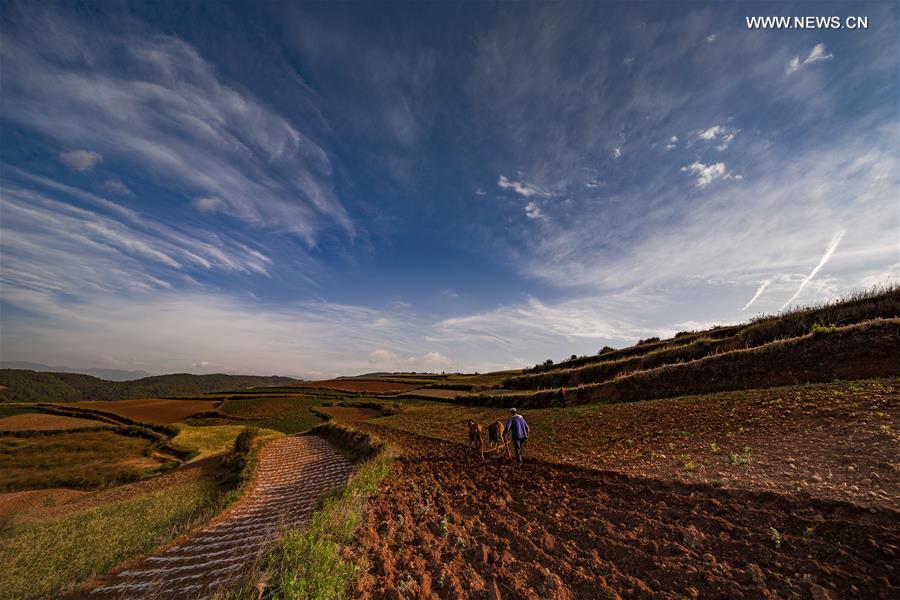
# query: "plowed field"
{"points": [[151, 410], [446, 525]]}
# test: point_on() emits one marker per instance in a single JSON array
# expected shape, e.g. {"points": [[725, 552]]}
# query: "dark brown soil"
{"points": [[446, 525], [836, 440]]}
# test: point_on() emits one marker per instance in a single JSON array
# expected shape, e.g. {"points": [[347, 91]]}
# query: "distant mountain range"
{"points": [[27, 385], [108, 374]]}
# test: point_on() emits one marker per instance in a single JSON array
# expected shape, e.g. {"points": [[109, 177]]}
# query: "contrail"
{"points": [[758, 293], [832, 246]]}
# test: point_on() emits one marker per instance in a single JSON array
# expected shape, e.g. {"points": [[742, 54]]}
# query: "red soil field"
{"points": [[42, 422], [836, 440], [150, 410], [446, 525], [359, 385]]}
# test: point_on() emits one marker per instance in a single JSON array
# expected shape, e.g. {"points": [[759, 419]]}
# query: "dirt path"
{"points": [[448, 526], [293, 473]]}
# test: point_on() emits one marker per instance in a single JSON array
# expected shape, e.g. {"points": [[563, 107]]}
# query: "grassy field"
{"points": [[37, 560], [82, 460], [10, 411], [214, 439]]}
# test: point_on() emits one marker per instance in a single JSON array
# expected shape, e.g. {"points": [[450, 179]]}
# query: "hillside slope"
{"points": [[33, 386]]}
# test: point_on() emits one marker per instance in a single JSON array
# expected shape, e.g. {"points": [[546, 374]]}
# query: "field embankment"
{"points": [[323, 558], [865, 350], [875, 303], [359, 386]]}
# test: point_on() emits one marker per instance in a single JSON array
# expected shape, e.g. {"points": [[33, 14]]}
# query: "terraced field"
{"points": [[44, 422], [149, 410]]}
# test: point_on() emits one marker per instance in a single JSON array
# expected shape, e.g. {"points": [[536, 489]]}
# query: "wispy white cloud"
{"points": [[386, 360], [523, 189], [818, 53], [762, 287], [80, 160], [721, 134], [210, 204], [706, 174], [117, 186], [53, 247], [829, 251], [170, 115], [533, 211], [711, 38], [617, 153], [673, 142]]}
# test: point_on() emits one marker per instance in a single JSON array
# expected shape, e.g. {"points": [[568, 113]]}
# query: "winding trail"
{"points": [[292, 474]]}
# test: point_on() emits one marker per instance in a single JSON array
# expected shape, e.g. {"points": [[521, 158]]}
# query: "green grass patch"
{"points": [[81, 459], [40, 559], [202, 442], [308, 564], [9, 411]]}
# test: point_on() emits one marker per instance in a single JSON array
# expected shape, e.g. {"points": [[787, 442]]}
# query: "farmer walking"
{"points": [[518, 431], [562, 397]]}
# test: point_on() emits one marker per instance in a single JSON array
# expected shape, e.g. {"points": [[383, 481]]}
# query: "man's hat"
{"points": [[512, 410]]}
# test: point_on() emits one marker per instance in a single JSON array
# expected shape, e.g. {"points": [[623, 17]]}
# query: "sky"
{"points": [[341, 188]]}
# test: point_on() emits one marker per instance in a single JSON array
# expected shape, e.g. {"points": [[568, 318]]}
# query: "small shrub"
{"points": [[738, 459], [776, 537], [714, 448], [649, 340], [688, 464], [243, 443], [818, 329]]}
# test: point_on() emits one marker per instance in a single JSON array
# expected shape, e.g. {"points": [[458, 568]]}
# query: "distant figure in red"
{"points": [[562, 398]]}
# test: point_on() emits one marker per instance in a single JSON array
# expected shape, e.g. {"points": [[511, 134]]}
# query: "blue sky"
{"points": [[338, 188]]}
